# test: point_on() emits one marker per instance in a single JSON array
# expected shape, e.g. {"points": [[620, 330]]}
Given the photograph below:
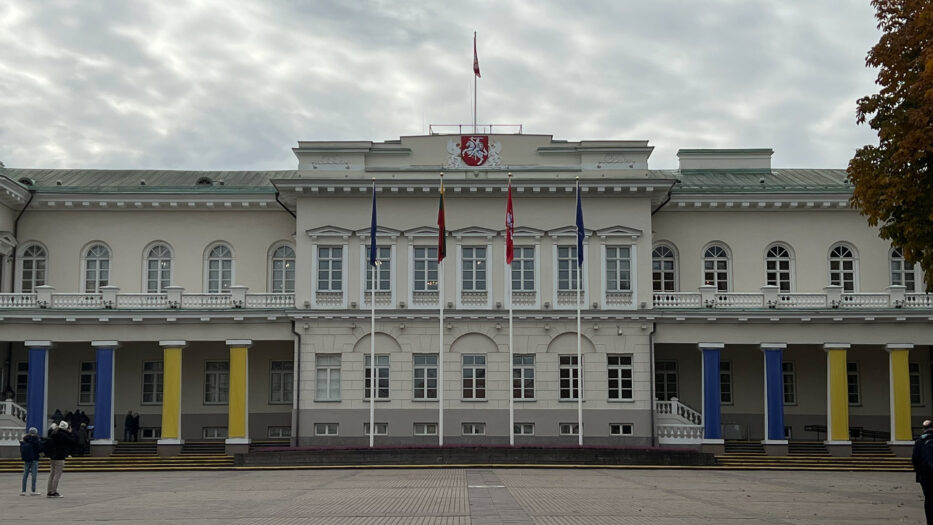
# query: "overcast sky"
{"points": [[232, 85]]}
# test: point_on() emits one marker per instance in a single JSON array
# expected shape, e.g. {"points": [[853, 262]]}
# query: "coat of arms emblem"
{"points": [[473, 151]]}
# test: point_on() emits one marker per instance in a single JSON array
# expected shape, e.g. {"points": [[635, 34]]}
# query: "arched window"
{"points": [[219, 269], [716, 267], [96, 268], [664, 269], [843, 269], [158, 268], [779, 266], [282, 270], [902, 271], [34, 262]]}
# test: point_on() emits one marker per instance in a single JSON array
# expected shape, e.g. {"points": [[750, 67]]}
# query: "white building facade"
{"points": [[723, 300]]}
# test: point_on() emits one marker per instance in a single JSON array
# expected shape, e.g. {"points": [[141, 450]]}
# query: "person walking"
{"points": [[923, 465], [61, 444], [29, 449]]}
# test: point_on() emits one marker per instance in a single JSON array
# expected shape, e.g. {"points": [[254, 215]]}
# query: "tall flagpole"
{"points": [[580, 234], [441, 246], [509, 225], [372, 328], [475, 76]]}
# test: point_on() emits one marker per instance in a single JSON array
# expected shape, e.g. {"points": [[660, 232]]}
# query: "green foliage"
{"points": [[893, 180]]}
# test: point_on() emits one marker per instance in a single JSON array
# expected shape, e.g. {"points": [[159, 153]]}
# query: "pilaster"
{"points": [[171, 441], [104, 394], [238, 407]]}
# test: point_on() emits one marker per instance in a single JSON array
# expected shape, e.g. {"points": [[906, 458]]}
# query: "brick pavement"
{"points": [[471, 496]]}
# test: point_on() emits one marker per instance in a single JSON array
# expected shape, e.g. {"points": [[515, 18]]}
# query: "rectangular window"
{"points": [[569, 376], [425, 269], [523, 377], [566, 268], [327, 384], [569, 429], [22, 378], [216, 382], [474, 377], [473, 429], [524, 429], [916, 391], [621, 429], [854, 390], [425, 376], [153, 377], [473, 262], [213, 432], [620, 377], [665, 380], [330, 268], [383, 269], [523, 269], [382, 429], [425, 429], [278, 432], [382, 377], [326, 429], [725, 382], [87, 383], [789, 378], [618, 269], [149, 433], [280, 381]]}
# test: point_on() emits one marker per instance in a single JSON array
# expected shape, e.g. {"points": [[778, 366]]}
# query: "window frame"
{"points": [[571, 370], [280, 266], [209, 258], [329, 369], [330, 271], [476, 429], [23, 258], [722, 283], [286, 382], [380, 367], [518, 429], [327, 429], [853, 257], [425, 368], [726, 385], [426, 429], [525, 266], [666, 374], [907, 269], [522, 377], [790, 374], [475, 271], [853, 388], [157, 381], [87, 376], [617, 274], [655, 269], [385, 270], [621, 429], [617, 369], [569, 429], [429, 261], [915, 382], [473, 367], [160, 281], [101, 274], [787, 275], [382, 429], [220, 396]]}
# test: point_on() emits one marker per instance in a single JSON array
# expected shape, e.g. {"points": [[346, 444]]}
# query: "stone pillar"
{"points": [[104, 439], [774, 441], [238, 406], [899, 381], [837, 400], [37, 386], [712, 401], [171, 441]]}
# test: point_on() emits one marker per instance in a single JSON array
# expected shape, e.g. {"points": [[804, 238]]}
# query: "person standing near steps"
{"points": [[60, 445], [922, 460], [29, 449]]}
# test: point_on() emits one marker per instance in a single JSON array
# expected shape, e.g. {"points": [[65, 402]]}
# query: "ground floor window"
{"points": [[789, 378], [621, 429], [524, 429], [214, 433], [382, 429], [87, 383], [325, 429], [278, 432], [21, 380], [425, 429], [569, 375], [149, 433], [153, 379], [473, 429], [916, 390], [855, 393], [569, 429], [725, 382]]}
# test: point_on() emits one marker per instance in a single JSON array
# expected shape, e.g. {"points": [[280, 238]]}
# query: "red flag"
{"points": [[475, 58], [441, 228], [509, 229]]}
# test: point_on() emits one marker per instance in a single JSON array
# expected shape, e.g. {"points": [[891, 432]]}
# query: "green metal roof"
{"points": [[763, 181], [118, 181]]}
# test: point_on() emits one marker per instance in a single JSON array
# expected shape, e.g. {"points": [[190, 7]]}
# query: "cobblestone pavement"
{"points": [[471, 496]]}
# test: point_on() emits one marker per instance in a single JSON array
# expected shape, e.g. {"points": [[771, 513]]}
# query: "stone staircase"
{"points": [[807, 448], [203, 448], [127, 463], [812, 455]]}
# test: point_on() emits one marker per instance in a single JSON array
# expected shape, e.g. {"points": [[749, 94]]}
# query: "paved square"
{"points": [[471, 496]]}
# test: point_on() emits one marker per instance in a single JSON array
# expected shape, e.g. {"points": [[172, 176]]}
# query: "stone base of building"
{"points": [[236, 446], [902, 449], [713, 446], [102, 447], [839, 448], [775, 448], [169, 447]]}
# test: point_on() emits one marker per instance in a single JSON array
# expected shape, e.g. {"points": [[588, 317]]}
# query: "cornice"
{"points": [[752, 202], [148, 201]]}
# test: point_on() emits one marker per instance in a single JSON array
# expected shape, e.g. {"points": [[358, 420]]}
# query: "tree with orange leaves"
{"points": [[894, 180]]}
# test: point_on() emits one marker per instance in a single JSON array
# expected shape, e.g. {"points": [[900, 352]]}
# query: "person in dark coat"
{"points": [[128, 426], [29, 450], [57, 416], [923, 465], [61, 445], [135, 426]]}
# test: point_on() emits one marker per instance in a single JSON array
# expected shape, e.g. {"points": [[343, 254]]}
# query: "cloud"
{"points": [[234, 85]]}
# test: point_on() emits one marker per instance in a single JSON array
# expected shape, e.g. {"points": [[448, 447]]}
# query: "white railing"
{"points": [[383, 299], [329, 298], [10, 410], [474, 298], [270, 300], [801, 300], [207, 300], [679, 411], [739, 300], [918, 300], [568, 298], [77, 300], [524, 299], [18, 300], [865, 300], [679, 434], [677, 300], [424, 299], [614, 299], [142, 301]]}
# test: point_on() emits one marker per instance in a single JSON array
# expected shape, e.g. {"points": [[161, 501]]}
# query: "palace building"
{"points": [[723, 300]]}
